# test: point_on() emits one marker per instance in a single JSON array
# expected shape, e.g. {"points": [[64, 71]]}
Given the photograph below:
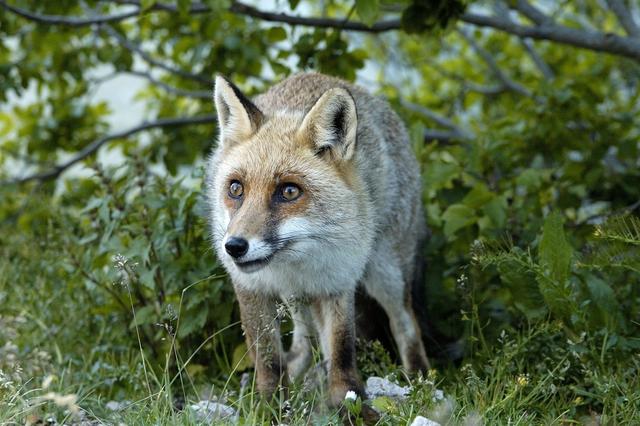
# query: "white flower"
{"points": [[351, 395]]}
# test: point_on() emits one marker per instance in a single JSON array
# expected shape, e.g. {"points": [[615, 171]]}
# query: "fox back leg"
{"points": [[385, 282]]}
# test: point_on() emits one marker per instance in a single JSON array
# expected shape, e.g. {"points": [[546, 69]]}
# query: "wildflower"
{"points": [[47, 381], [432, 374], [522, 380], [351, 396], [67, 401]]}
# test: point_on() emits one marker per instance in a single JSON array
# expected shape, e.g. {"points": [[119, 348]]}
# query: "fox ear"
{"points": [[331, 124], [238, 117]]}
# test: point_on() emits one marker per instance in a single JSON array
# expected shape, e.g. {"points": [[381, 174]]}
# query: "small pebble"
{"points": [[378, 386], [209, 411], [423, 421]]}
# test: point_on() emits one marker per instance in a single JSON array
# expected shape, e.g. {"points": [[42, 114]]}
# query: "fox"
{"points": [[313, 193]]}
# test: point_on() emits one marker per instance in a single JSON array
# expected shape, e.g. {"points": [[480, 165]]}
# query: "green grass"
{"points": [[550, 337], [529, 375]]}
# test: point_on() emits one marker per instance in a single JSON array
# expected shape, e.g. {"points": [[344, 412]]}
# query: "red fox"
{"points": [[313, 192]]}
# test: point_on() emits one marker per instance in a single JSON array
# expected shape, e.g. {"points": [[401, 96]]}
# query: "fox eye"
{"points": [[236, 189], [290, 191]]}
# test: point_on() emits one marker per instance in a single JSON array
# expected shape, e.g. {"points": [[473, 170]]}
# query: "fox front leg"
{"points": [[261, 326], [335, 318]]}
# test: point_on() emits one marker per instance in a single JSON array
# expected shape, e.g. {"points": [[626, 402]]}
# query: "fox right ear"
{"points": [[238, 117], [331, 124]]}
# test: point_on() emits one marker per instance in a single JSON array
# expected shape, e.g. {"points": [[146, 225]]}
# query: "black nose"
{"points": [[236, 247]]}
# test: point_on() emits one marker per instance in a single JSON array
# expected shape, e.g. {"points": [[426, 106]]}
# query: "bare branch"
{"points": [[546, 30], [503, 11], [533, 13], [57, 170], [439, 119], [378, 27], [131, 46], [442, 136], [544, 68], [70, 21], [198, 94], [494, 67], [623, 14], [592, 40]]}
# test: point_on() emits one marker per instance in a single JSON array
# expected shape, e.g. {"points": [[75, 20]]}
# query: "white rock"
{"points": [[209, 411], [117, 406], [423, 421], [438, 395], [378, 386]]}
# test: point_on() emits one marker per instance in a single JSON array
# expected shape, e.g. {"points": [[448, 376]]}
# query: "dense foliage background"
{"points": [[525, 118]]}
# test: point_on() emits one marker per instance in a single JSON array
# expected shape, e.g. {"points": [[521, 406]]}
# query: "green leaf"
{"points": [[368, 10], [184, 6], [276, 34], [555, 258], [604, 299], [478, 196], [144, 315], [146, 5], [194, 320], [241, 360], [524, 289], [496, 210], [385, 404], [554, 251], [456, 217]]}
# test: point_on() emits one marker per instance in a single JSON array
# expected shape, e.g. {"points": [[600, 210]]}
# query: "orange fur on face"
{"points": [[275, 156]]}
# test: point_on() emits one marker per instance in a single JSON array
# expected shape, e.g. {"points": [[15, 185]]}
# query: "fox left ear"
{"points": [[331, 124], [238, 117]]}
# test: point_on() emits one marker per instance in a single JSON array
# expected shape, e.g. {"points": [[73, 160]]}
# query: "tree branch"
{"points": [[69, 21], [198, 94], [439, 119], [494, 67], [57, 170], [442, 136], [533, 13], [503, 11], [625, 17], [131, 46], [593, 40]]}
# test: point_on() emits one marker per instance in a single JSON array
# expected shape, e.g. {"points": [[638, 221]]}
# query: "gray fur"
{"points": [[366, 230]]}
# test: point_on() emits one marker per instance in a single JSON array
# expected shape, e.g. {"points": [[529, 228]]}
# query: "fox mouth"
{"points": [[254, 265]]}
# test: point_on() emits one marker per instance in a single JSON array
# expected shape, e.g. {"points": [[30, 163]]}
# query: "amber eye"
{"points": [[236, 189], [290, 191]]}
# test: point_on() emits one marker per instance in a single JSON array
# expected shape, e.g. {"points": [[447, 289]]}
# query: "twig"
{"points": [[443, 136], [625, 17], [70, 21], [503, 11], [618, 212], [198, 94], [439, 119], [133, 47], [494, 67], [533, 13], [593, 40], [55, 171], [468, 85]]}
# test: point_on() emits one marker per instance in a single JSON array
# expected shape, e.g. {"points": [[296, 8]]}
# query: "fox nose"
{"points": [[236, 246]]}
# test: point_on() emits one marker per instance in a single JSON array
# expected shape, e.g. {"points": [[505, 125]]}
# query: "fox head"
{"points": [[285, 187]]}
